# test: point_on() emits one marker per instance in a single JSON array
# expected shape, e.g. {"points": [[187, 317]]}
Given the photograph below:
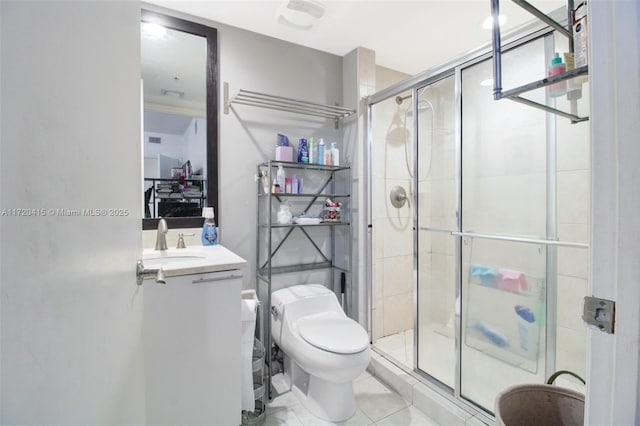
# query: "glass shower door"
{"points": [[437, 183], [504, 201]]}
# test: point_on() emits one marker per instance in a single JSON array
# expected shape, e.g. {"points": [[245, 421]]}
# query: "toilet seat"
{"points": [[333, 333]]}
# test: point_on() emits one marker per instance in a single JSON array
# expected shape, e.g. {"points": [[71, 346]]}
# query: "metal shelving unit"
{"points": [[171, 192], [273, 237], [515, 94]]}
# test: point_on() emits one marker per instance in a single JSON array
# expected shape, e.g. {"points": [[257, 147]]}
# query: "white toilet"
{"points": [[324, 349]]}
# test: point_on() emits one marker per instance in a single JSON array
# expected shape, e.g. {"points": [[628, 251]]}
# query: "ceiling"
{"points": [[407, 36]]}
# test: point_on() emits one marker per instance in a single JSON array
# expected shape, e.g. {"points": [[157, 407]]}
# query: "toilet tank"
{"points": [[292, 303]]}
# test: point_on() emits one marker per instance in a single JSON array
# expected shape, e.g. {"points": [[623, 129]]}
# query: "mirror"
{"points": [[180, 145]]}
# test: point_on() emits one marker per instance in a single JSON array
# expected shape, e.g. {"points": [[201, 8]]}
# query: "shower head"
{"points": [[423, 104], [399, 99]]}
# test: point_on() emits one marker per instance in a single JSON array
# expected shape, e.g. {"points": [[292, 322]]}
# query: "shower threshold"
{"points": [[392, 362]]}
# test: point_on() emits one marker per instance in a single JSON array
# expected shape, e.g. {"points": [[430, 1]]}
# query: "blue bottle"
{"points": [[303, 151], [209, 229]]}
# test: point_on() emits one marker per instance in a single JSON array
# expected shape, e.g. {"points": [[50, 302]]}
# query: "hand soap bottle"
{"points": [[209, 229]]}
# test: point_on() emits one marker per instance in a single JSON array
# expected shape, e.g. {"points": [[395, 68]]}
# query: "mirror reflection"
{"points": [[173, 73], [178, 63]]}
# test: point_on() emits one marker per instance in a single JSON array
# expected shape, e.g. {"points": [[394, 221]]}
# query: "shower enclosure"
{"points": [[479, 227]]}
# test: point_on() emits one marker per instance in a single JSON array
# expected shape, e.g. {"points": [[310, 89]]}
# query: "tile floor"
{"points": [[376, 404]]}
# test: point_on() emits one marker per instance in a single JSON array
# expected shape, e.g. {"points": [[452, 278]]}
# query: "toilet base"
{"points": [[334, 402]]}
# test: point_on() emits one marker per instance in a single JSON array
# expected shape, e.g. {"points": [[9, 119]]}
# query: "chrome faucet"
{"points": [[161, 238], [181, 243]]}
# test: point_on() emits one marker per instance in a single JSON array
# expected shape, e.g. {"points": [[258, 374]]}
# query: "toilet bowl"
{"points": [[324, 350]]}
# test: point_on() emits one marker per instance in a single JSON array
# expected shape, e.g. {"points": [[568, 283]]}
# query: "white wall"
{"points": [[173, 146], [70, 139], [196, 138]]}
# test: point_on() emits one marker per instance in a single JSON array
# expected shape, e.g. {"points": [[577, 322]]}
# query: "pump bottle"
{"points": [[209, 229]]}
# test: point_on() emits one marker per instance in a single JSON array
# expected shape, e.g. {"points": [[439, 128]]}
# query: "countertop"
{"points": [[192, 260]]}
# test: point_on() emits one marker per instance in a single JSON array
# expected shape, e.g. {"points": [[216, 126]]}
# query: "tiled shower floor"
{"points": [[399, 346]]}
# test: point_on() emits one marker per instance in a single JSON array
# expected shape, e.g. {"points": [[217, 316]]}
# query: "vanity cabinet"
{"points": [[192, 340]]}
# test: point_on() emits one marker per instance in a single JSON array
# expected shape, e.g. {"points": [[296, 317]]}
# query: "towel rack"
{"points": [[281, 103]]}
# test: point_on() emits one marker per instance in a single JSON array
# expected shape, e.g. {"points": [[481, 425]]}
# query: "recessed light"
{"points": [[486, 83], [487, 24], [153, 30]]}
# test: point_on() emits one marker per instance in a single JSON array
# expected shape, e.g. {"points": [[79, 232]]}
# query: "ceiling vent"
{"points": [[172, 93], [300, 14]]}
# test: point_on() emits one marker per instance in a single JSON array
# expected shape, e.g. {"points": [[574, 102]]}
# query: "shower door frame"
{"points": [[454, 68]]}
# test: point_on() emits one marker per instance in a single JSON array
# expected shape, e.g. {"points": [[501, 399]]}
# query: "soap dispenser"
{"points": [[209, 229]]}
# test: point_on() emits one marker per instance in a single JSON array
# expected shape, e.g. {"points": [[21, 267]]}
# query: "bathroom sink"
{"points": [[191, 260]]}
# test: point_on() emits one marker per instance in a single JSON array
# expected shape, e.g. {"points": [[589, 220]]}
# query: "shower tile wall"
{"points": [[393, 236]]}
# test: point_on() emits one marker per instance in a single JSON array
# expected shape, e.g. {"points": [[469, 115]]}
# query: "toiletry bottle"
{"points": [[321, 151], [335, 155], [275, 189], [287, 185], [312, 145], [280, 176], [264, 178], [294, 184], [209, 230], [557, 67], [303, 151], [327, 156]]}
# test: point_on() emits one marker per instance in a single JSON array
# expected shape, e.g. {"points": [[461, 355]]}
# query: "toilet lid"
{"points": [[333, 333]]}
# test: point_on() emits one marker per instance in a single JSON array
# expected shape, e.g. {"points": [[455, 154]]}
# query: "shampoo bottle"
{"points": [[209, 229], [303, 151], [312, 146], [557, 67], [321, 151]]}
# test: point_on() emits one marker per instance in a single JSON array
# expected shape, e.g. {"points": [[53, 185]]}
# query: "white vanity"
{"points": [[192, 329]]}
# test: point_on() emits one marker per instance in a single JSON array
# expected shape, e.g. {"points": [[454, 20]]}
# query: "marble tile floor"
{"points": [[376, 404]]}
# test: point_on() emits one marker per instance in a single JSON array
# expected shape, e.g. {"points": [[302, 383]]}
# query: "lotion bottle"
{"points": [[335, 155]]}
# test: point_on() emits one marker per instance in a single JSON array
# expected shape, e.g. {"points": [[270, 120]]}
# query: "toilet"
{"points": [[324, 350]]}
